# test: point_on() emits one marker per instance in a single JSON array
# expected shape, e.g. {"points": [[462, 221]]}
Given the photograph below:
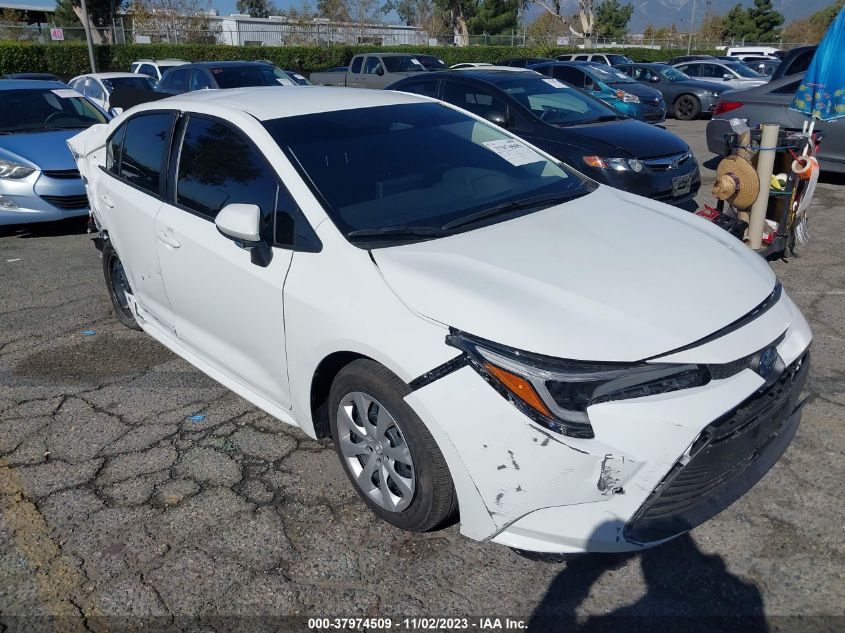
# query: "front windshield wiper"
{"points": [[398, 231], [506, 207]]}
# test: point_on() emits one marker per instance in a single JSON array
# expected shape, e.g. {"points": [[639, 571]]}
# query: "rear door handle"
{"points": [[107, 201], [165, 238]]}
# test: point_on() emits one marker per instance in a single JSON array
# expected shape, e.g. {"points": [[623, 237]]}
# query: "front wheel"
{"points": [[386, 451], [118, 287], [687, 108]]}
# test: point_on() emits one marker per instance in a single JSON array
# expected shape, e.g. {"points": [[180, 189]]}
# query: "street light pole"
{"points": [[691, 22], [88, 37]]}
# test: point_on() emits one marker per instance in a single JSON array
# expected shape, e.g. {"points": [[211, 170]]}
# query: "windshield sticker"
{"points": [[66, 93], [514, 152], [554, 83]]}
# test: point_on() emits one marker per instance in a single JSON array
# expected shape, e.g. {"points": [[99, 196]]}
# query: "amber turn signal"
{"points": [[521, 388]]}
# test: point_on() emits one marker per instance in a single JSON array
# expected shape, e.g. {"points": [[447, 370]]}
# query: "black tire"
{"points": [[118, 285], [687, 107], [434, 500]]}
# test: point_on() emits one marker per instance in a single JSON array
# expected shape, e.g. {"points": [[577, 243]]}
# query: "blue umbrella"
{"points": [[822, 93]]}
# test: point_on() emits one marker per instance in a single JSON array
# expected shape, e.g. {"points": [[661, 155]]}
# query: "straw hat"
{"points": [[736, 182]]}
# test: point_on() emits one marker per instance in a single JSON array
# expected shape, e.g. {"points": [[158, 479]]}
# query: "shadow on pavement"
{"points": [[71, 226], [686, 590]]}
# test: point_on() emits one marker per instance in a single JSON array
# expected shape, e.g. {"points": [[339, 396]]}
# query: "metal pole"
{"points": [[691, 21], [88, 37]]}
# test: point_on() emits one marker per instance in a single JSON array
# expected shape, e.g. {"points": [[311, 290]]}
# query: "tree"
{"points": [[738, 25], [494, 17], [65, 15], [455, 14], [766, 21], [257, 8], [555, 8], [546, 27], [187, 19], [812, 29], [335, 10], [612, 19], [712, 28]]}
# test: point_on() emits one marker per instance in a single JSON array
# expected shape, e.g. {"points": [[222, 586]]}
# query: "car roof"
{"points": [[107, 75], [484, 73], [225, 64], [28, 84], [290, 101]]}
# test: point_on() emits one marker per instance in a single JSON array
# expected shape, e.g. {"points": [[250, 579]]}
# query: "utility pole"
{"points": [[88, 37], [691, 21]]}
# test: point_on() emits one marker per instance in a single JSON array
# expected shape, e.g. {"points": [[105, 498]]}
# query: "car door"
{"points": [[227, 309], [199, 80], [374, 75], [355, 74], [95, 91], [691, 70], [176, 81], [129, 193]]}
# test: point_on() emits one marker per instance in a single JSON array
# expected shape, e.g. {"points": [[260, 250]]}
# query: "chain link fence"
{"points": [[227, 31]]}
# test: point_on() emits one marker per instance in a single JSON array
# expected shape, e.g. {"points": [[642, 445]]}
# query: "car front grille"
{"points": [[666, 163], [725, 461], [68, 202], [62, 173]]}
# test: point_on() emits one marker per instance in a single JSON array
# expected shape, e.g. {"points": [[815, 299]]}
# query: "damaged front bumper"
{"points": [[657, 466]]}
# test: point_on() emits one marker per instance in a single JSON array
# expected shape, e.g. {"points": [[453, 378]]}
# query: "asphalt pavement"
{"points": [[134, 490]]}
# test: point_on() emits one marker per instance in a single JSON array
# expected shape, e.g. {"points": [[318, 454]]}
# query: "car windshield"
{"points": [[245, 76], [556, 103], [37, 110], [742, 70], [140, 82], [619, 59], [416, 169], [673, 74], [609, 75], [401, 64]]}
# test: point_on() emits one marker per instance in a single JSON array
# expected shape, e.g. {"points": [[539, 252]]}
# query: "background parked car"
{"points": [[578, 129], [734, 74], [373, 70], [615, 88], [469, 65], [431, 62], [795, 61], [39, 181], [216, 75], [688, 58], [524, 62], [296, 78], [685, 98], [765, 66], [99, 86], [609, 59], [153, 68], [33, 76], [770, 104]]}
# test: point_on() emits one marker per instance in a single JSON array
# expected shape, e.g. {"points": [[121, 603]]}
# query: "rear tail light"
{"points": [[727, 106]]}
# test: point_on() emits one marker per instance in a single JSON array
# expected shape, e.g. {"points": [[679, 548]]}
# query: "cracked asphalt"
{"points": [[117, 509]]}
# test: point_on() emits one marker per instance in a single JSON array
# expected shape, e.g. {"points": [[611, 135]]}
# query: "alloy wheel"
{"points": [[375, 451]]}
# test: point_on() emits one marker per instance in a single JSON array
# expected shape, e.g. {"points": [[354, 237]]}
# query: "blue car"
{"points": [[39, 181], [615, 88]]}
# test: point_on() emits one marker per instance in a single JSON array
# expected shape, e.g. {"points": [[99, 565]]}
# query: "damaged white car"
{"points": [[479, 328]]}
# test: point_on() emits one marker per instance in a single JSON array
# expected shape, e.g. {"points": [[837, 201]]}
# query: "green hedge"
{"points": [[71, 58]]}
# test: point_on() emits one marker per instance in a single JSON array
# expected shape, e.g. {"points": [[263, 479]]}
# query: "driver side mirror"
{"points": [[498, 117], [379, 71], [654, 79], [727, 77], [242, 224]]}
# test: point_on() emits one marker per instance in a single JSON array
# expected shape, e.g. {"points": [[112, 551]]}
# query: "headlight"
{"points": [[711, 93], [616, 164], [555, 393], [8, 169], [627, 97]]}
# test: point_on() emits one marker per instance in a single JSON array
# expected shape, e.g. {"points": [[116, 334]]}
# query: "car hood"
{"points": [[42, 150], [626, 138], [608, 277]]}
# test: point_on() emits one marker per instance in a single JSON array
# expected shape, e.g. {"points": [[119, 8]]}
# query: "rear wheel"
{"points": [[387, 452], [687, 107], [118, 287]]}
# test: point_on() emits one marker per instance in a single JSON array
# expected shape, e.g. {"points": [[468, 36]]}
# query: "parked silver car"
{"points": [[39, 181], [731, 74], [770, 104]]}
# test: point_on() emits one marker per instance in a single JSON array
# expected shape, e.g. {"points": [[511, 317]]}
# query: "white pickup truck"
{"points": [[372, 70]]}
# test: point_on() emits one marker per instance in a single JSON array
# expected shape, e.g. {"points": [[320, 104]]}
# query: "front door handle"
{"points": [[107, 200], [165, 238]]}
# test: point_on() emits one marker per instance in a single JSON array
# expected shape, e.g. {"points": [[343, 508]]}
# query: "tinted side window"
{"points": [[570, 75], [114, 151], [147, 138], [582, 58], [801, 62], [425, 88], [372, 64], [690, 69], [177, 80], [218, 167], [476, 100], [147, 69], [199, 81], [356, 65]]}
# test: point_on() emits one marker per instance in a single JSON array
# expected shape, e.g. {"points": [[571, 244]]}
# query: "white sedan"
{"points": [[477, 326], [99, 86]]}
